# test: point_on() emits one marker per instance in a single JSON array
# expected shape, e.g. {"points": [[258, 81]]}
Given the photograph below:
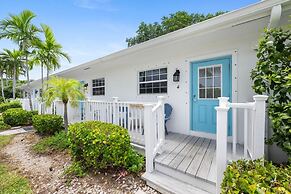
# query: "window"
{"points": [[153, 81], [98, 87], [210, 82]]}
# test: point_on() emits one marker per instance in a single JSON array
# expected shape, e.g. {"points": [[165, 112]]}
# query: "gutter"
{"points": [[275, 16]]}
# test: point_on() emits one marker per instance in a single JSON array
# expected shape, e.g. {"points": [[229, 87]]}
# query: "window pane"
{"points": [[142, 91], [149, 90], [164, 70], [164, 84], [217, 71], [202, 83], [209, 82], [150, 72], [201, 93], [209, 72], [142, 73], [163, 77], [217, 92], [209, 93], [141, 79], [217, 82], [163, 90], [156, 77], [156, 90], [149, 78], [202, 72], [156, 72]]}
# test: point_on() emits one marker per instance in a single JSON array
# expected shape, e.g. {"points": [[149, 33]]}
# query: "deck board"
{"points": [[195, 156]]}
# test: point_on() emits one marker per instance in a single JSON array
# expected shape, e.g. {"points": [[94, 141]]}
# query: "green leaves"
{"points": [[99, 145], [18, 117], [272, 76], [173, 22], [259, 176], [47, 124]]}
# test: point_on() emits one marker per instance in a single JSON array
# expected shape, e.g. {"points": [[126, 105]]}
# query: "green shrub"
{"points": [[4, 126], [17, 117], [258, 176], [58, 141], [76, 169], [2, 100], [47, 124], [101, 145], [8, 105]]}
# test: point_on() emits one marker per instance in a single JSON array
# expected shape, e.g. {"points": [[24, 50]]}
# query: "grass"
{"points": [[10, 182], [57, 142]]}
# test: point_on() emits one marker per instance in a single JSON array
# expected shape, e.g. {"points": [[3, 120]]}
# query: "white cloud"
{"points": [[103, 5]]}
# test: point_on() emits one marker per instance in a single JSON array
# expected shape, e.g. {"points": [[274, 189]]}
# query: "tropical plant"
{"points": [[173, 22], [272, 76], [47, 124], [3, 67], [13, 61], [19, 28], [66, 90], [48, 52]]}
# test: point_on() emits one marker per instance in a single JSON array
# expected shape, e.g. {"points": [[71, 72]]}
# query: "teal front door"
{"points": [[210, 79]]}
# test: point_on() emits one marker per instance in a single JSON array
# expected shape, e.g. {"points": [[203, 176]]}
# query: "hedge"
{"points": [[8, 105], [4, 126], [18, 116], [101, 145], [47, 124], [257, 176]]}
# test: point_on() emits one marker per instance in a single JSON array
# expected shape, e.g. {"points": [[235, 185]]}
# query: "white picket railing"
{"points": [[129, 115], [25, 103], [253, 127]]}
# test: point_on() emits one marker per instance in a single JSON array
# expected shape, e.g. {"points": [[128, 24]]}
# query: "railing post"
{"points": [[161, 119], [221, 140], [259, 125], [115, 110], [149, 138]]}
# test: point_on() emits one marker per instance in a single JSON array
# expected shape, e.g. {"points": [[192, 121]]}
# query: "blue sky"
{"points": [[89, 29]]}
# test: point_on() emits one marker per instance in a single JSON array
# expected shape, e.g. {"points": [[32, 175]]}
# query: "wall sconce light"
{"points": [[85, 86], [176, 76]]}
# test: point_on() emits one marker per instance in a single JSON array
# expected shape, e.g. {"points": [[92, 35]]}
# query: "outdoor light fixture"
{"points": [[176, 76], [85, 86]]}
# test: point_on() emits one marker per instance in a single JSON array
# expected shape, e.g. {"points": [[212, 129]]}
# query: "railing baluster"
{"points": [[234, 130], [245, 133]]}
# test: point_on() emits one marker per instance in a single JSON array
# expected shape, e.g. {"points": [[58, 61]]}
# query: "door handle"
{"points": [[194, 98]]}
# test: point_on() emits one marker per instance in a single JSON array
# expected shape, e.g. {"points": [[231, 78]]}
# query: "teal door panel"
{"points": [[210, 79]]}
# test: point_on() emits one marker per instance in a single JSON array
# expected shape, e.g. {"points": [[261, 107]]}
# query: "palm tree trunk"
{"points": [[66, 116], [42, 82], [47, 76], [2, 85], [28, 82], [14, 81]]}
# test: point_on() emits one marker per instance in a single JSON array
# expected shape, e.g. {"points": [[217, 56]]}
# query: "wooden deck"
{"points": [[194, 156]]}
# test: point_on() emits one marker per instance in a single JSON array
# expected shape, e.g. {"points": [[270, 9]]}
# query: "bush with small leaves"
{"points": [[256, 176], [8, 105], [48, 124], [17, 117], [101, 145]]}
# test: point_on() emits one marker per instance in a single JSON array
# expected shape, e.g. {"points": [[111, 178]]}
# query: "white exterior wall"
{"points": [[121, 74]]}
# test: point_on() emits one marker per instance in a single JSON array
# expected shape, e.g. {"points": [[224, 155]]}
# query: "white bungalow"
{"points": [[191, 68]]}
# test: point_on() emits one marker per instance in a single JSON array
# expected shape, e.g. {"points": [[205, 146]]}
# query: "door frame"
{"points": [[232, 55]]}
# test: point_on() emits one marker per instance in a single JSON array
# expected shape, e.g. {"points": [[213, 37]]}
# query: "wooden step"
{"points": [[169, 185], [180, 176]]}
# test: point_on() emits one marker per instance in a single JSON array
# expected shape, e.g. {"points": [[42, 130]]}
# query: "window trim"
{"points": [[221, 85], [104, 86], [149, 69]]}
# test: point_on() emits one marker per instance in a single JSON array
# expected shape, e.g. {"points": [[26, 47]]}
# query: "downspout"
{"points": [[275, 16]]}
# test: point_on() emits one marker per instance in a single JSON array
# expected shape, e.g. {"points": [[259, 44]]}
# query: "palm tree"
{"points": [[13, 61], [66, 90], [2, 71], [48, 52], [19, 28]]}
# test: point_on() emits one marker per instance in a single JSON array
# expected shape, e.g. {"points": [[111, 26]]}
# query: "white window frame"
{"points": [[153, 81], [94, 87], [221, 83]]}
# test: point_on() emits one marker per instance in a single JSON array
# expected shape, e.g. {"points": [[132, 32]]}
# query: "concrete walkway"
{"points": [[16, 130]]}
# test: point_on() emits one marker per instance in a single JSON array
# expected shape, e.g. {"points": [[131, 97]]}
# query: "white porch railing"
{"points": [[129, 115], [253, 128], [25, 103]]}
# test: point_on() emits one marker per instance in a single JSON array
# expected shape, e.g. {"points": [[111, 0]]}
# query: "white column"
{"points": [[221, 144], [149, 138], [259, 125], [115, 110], [161, 119]]}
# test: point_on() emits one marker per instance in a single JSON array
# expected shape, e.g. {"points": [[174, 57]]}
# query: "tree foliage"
{"points": [[173, 22], [272, 76]]}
